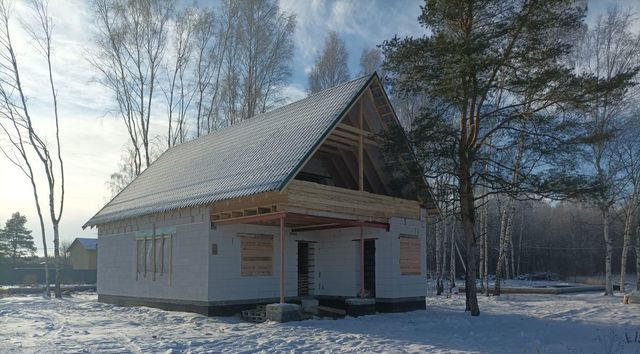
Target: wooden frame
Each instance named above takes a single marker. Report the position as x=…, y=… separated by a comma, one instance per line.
x=154, y=239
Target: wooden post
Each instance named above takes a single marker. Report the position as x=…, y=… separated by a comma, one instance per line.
x=170, y=258
x=361, y=188
x=282, y=259
x=144, y=239
x=360, y=151
x=361, y=262
x=153, y=251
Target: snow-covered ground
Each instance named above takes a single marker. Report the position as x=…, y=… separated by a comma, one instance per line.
x=584, y=323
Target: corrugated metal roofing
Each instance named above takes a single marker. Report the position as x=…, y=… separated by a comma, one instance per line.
x=88, y=243
x=257, y=155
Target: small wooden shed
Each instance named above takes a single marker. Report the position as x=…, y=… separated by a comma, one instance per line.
x=83, y=253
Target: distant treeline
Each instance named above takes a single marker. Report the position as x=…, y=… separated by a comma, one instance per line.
x=563, y=238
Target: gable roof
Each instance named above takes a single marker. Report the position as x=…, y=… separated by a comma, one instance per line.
x=90, y=244
x=258, y=155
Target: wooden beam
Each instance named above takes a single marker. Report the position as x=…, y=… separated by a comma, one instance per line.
x=361, y=263
x=282, y=258
x=341, y=140
x=339, y=146
x=357, y=131
x=249, y=219
x=342, y=225
x=257, y=200
x=330, y=150
x=360, y=151
x=353, y=137
x=315, y=197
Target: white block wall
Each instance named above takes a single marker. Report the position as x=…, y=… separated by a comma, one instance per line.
x=198, y=275
x=190, y=272
x=337, y=262
x=389, y=282
x=226, y=282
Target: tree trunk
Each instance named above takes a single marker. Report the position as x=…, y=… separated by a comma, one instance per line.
x=511, y=253
x=485, y=245
x=438, y=258
x=638, y=258
x=501, y=252
x=445, y=242
x=47, y=283
x=483, y=221
x=452, y=261
x=608, y=241
x=628, y=222
x=56, y=251
x=467, y=211
x=520, y=241
x=506, y=256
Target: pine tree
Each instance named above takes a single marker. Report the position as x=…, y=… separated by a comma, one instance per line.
x=15, y=240
x=4, y=249
x=494, y=72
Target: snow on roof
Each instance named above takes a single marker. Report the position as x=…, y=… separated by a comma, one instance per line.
x=257, y=155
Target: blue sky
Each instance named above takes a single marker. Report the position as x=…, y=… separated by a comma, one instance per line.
x=93, y=142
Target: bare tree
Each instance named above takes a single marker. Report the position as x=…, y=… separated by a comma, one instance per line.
x=266, y=48
x=21, y=130
x=626, y=152
x=242, y=61
x=126, y=172
x=224, y=43
x=371, y=61
x=609, y=49
x=131, y=42
x=330, y=68
x=179, y=93
x=205, y=65
x=438, y=234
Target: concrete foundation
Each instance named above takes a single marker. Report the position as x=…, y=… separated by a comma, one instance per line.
x=283, y=312
x=310, y=305
x=360, y=307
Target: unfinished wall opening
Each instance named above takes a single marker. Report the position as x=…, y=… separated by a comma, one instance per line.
x=306, y=271
x=370, y=268
x=256, y=252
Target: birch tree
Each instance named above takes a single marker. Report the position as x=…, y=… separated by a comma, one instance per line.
x=330, y=67
x=266, y=47
x=131, y=42
x=627, y=153
x=609, y=50
x=253, y=56
x=28, y=147
x=179, y=92
x=371, y=61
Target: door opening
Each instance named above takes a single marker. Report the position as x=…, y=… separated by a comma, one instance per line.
x=370, y=268
x=305, y=268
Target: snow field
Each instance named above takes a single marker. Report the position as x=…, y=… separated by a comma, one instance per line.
x=584, y=323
